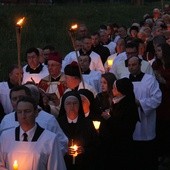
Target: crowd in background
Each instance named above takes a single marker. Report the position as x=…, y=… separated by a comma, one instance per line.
x=117, y=76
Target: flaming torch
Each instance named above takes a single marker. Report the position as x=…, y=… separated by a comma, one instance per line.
x=18, y=34
x=72, y=33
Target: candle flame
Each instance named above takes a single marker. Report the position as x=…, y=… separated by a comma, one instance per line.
x=74, y=27
x=20, y=22
x=96, y=124
x=15, y=165
x=75, y=147
x=110, y=62
x=15, y=162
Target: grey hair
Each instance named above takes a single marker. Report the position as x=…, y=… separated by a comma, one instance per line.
x=35, y=93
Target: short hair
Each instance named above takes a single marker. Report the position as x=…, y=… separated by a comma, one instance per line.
x=35, y=93
x=12, y=67
x=33, y=49
x=50, y=47
x=30, y=100
x=87, y=56
x=18, y=88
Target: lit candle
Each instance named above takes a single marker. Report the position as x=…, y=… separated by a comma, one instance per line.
x=110, y=62
x=15, y=165
x=74, y=147
x=96, y=125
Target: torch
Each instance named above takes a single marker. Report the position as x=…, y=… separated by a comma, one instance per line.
x=18, y=34
x=72, y=34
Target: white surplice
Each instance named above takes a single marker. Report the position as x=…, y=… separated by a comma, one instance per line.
x=43, y=154
x=4, y=97
x=148, y=93
x=36, y=77
x=45, y=120
x=95, y=64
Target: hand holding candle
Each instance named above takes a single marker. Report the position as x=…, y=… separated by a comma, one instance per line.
x=75, y=153
x=15, y=165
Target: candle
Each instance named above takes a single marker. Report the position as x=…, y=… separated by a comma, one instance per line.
x=15, y=165
x=74, y=147
x=110, y=62
x=96, y=125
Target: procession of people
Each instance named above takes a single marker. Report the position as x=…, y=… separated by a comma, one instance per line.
x=117, y=76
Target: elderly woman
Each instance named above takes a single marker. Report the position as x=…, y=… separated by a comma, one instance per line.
x=80, y=131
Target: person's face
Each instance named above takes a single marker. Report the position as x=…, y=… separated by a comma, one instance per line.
x=115, y=91
x=104, y=85
x=104, y=37
x=158, y=51
x=133, y=33
x=46, y=53
x=84, y=63
x=134, y=66
x=158, y=31
x=122, y=32
x=87, y=44
x=78, y=44
x=82, y=31
x=32, y=60
x=168, y=41
x=95, y=39
x=15, y=75
x=85, y=103
x=120, y=47
x=15, y=96
x=70, y=81
x=141, y=49
x=54, y=68
x=26, y=114
x=131, y=52
x=71, y=106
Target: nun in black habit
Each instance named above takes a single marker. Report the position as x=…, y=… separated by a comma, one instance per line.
x=80, y=131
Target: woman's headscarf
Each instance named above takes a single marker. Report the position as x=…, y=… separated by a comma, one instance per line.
x=125, y=87
x=89, y=95
x=62, y=111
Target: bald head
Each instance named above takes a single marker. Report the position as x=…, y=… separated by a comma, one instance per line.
x=134, y=65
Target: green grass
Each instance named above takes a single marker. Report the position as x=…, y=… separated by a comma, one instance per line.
x=48, y=24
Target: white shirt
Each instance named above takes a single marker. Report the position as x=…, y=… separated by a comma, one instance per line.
x=43, y=154
x=45, y=120
x=30, y=133
x=120, y=70
x=148, y=93
x=4, y=97
x=95, y=64
x=36, y=76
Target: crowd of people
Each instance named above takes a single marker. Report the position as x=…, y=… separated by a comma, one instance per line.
x=116, y=76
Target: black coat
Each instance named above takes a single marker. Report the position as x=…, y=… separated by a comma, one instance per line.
x=83, y=133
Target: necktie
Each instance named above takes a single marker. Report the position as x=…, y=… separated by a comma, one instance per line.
x=25, y=137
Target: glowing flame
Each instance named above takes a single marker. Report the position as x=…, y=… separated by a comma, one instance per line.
x=20, y=22
x=96, y=124
x=15, y=165
x=74, y=27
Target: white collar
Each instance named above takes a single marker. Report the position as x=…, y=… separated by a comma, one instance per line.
x=72, y=121
x=30, y=132
x=117, y=99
